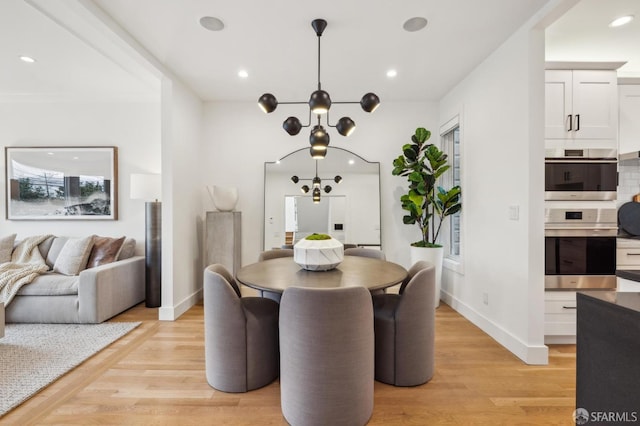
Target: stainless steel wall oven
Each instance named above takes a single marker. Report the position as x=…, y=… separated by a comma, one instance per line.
x=581, y=174
x=580, y=248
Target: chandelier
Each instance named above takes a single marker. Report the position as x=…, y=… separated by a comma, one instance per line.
x=319, y=104
x=316, y=185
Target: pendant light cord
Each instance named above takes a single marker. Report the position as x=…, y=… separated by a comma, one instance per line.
x=319, y=86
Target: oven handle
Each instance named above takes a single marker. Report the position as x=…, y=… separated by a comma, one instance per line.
x=581, y=232
x=573, y=160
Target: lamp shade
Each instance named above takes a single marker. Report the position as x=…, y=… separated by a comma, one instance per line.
x=292, y=126
x=318, y=152
x=370, y=102
x=319, y=136
x=316, y=195
x=146, y=187
x=345, y=126
x=268, y=102
x=320, y=102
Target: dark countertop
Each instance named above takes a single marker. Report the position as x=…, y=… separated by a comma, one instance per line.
x=628, y=274
x=607, y=348
x=628, y=300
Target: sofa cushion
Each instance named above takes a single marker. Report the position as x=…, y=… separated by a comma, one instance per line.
x=6, y=247
x=105, y=250
x=45, y=246
x=73, y=256
x=128, y=249
x=51, y=284
x=54, y=250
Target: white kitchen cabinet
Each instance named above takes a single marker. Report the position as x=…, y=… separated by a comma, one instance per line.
x=560, y=309
x=628, y=253
x=629, y=116
x=582, y=105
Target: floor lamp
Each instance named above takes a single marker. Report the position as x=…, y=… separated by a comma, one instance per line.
x=148, y=187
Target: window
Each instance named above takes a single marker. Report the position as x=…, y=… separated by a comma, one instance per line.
x=450, y=137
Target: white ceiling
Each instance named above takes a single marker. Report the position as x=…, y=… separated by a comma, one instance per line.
x=583, y=34
x=274, y=42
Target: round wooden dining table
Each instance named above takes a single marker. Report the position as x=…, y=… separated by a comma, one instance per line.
x=277, y=274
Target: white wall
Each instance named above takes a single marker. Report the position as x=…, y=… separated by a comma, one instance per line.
x=182, y=231
x=501, y=105
x=239, y=138
x=133, y=127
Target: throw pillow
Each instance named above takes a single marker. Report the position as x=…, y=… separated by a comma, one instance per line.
x=128, y=249
x=6, y=247
x=73, y=256
x=105, y=250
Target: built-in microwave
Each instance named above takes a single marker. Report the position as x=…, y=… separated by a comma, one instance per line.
x=581, y=174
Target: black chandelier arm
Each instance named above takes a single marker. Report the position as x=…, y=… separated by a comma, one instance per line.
x=292, y=103
x=322, y=178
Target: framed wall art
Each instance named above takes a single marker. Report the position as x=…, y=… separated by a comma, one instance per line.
x=61, y=183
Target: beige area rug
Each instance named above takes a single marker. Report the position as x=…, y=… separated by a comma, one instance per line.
x=34, y=355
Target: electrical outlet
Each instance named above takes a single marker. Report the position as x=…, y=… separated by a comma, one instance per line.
x=485, y=298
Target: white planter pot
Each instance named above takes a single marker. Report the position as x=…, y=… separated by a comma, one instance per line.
x=318, y=255
x=224, y=198
x=434, y=255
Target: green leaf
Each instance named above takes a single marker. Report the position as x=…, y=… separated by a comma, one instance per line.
x=408, y=220
x=415, y=177
x=410, y=154
x=422, y=134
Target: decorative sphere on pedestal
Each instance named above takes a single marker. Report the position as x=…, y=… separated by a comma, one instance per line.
x=318, y=252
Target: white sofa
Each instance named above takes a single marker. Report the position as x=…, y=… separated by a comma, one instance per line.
x=93, y=296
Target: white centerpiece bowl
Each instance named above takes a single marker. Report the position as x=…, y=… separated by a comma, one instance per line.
x=318, y=255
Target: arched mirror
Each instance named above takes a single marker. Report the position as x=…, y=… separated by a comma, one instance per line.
x=349, y=210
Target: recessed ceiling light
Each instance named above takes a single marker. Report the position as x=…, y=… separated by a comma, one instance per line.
x=392, y=73
x=27, y=59
x=415, y=24
x=352, y=161
x=243, y=74
x=618, y=22
x=211, y=23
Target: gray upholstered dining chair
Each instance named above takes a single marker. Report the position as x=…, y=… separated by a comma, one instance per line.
x=326, y=356
x=273, y=254
x=365, y=252
x=240, y=335
x=405, y=330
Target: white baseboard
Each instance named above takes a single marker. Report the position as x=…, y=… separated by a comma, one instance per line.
x=559, y=340
x=172, y=313
x=535, y=355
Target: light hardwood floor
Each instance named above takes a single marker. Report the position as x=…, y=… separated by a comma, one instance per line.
x=155, y=376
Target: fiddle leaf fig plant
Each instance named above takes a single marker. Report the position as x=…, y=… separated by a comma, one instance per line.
x=422, y=164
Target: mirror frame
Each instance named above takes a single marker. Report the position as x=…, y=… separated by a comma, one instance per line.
x=306, y=151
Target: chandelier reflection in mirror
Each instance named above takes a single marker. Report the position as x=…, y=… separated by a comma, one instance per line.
x=316, y=185
x=319, y=104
